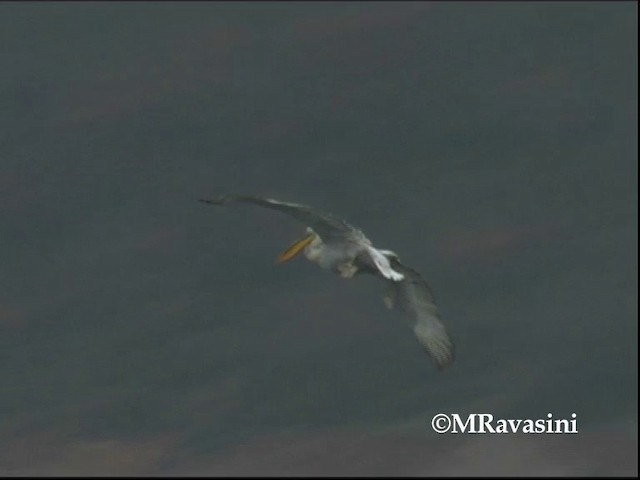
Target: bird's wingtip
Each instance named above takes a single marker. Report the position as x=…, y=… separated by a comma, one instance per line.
x=444, y=360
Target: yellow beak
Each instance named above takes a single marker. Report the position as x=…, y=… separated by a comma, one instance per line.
x=295, y=249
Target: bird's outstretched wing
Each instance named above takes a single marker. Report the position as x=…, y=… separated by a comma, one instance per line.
x=324, y=224
x=415, y=298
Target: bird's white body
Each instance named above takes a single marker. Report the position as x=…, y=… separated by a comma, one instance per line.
x=327, y=256
x=341, y=257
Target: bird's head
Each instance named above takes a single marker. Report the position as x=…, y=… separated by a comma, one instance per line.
x=297, y=247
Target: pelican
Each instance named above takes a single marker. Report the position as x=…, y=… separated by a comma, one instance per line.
x=337, y=246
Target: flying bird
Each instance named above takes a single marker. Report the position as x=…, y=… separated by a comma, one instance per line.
x=337, y=246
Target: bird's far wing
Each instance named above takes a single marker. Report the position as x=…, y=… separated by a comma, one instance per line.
x=324, y=224
x=415, y=297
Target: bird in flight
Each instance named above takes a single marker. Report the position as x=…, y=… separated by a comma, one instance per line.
x=337, y=246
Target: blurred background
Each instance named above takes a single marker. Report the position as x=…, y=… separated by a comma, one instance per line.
x=492, y=145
